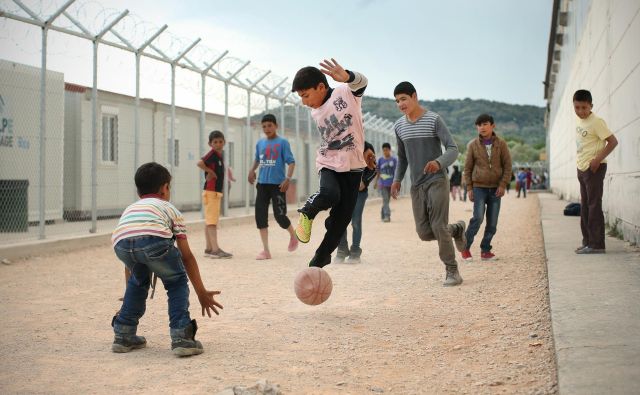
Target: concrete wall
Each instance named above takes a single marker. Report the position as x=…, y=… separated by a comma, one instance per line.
x=600, y=53
x=20, y=134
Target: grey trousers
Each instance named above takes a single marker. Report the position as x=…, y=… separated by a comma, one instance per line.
x=430, y=202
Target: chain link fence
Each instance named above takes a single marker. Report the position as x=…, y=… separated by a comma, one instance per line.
x=124, y=92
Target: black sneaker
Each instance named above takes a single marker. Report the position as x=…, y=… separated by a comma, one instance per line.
x=126, y=343
x=319, y=262
x=183, y=342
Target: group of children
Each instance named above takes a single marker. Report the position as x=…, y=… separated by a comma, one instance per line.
x=151, y=237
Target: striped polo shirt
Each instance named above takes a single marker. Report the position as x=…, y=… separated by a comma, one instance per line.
x=420, y=142
x=150, y=216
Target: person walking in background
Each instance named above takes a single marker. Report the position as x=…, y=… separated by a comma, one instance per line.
x=529, y=177
x=521, y=182
x=594, y=143
x=487, y=171
x=386, y=169
x=213, y=166
x=272, y=154
x=420, y=135
x=455, y=181
x=352, y=255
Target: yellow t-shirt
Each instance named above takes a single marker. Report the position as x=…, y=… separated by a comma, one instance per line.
x=590, y=139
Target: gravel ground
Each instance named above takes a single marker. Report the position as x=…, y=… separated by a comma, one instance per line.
x=388, y=327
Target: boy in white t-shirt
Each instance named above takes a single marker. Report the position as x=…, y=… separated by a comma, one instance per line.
x=340, y=160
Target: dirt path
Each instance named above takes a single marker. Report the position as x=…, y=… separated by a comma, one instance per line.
x=389, y=325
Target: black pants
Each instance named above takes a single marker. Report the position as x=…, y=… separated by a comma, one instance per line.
x=591, y=216
x=271, y=193
x=338, y=192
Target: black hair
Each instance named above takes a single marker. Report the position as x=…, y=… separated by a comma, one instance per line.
x=404, y=87
x=583, y=95
x=216, y=134
x=368, y=145
x=386, y=145
x=307, y=78
x=269, y=118
x=150, y=177
x=482, y=118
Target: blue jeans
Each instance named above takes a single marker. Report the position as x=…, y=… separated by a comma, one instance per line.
x=385, y=212
x=484, y=198
x=356, y=224
x=144, y=255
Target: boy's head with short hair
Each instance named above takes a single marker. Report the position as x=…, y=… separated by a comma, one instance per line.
x=153, y=178
x=216, y=140
x=269, y=125
x=485, y=125
x=406, y=97
x=311, y=85
x=582, y=103
x=386, y=150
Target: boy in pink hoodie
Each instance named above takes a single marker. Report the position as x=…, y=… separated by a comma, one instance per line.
x=340, y=160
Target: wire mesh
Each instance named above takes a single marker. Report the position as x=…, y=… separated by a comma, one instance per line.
x=157, y=96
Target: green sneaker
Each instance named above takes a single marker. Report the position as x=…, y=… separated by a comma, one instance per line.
x=303, y=230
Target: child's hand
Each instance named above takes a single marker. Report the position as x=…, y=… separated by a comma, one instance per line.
x=370, y=158
x=211, y=176
x=334, y=70
x=432, y=167
x=208, y=303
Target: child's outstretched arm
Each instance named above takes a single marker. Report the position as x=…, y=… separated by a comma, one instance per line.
x=205, y=297
x=357, y=82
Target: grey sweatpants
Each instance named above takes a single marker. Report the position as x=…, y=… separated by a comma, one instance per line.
x=430, y=202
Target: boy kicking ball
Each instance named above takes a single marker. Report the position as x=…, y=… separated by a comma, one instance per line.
x=340, y=158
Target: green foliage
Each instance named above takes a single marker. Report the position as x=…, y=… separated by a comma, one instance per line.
x=522, y=126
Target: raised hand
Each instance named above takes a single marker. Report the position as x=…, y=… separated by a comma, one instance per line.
x=334, y=70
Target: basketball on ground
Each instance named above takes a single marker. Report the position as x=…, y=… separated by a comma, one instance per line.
x=313, y=286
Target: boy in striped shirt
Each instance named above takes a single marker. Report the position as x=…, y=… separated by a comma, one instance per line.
x=420, y=134
x=144, y=241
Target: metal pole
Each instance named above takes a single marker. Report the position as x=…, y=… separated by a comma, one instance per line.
x=173, y=118
x=225, y=206
x=43, y=132
x=297, y=171
x=247, y=151
x=202, y=132
x=136, y=148
x=94, y=142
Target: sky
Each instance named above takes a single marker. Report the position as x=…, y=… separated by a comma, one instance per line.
x=480, y=49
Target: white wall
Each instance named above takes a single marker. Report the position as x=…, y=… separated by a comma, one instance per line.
x=600, y=53
x=20, y=149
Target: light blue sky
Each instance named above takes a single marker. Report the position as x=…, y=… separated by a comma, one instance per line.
x=491, y=49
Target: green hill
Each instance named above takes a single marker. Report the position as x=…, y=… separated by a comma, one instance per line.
x=521, y=125
x=518, y=123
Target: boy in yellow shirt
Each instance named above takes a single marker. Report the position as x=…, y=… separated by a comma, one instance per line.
x=595, y=142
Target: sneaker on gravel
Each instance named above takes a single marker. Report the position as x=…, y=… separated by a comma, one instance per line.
x=125, y=343
x=488, y=256
x=263, y=255
x=459, y=237
x=466, y=255
x=293, y=244
x=303, y=230
x=220, y=254
x=453, y=277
